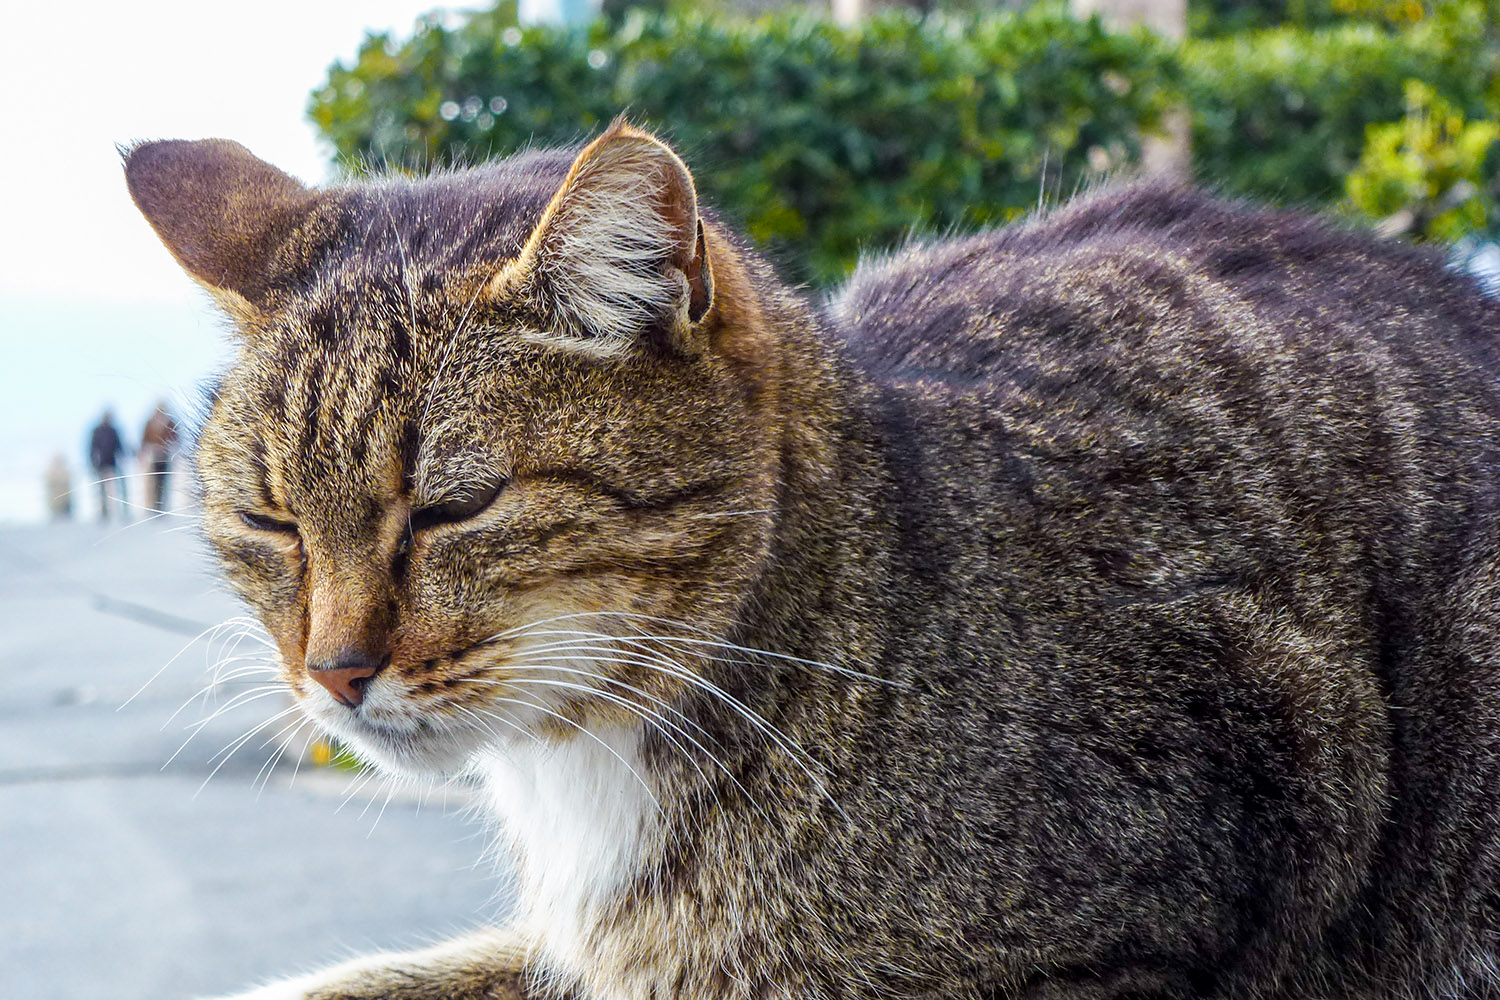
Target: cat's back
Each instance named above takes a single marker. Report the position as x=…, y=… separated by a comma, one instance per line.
x=1154, y=389
x=1155, y=447
x=1155, y=268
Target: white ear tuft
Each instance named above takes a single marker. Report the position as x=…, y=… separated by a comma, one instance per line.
x=618, y=252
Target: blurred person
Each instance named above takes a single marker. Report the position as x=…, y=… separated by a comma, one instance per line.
x=105, y=452
x=58, y=484
x=158, y=442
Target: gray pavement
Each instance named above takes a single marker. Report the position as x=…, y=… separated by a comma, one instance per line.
x=125, y=876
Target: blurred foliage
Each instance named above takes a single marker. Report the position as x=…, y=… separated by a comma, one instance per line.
x=1309, y=109
x=1283, y=114
x=821, y=141
x=331, y=753
x=1213, y=18
x=818, y=140
x=1432, y=175
x=1216, y=18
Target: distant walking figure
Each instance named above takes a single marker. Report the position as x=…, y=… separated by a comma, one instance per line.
x=157, y=444
x=58, y=485
x=105, y=451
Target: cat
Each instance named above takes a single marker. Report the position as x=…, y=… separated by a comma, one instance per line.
x=1104, y=606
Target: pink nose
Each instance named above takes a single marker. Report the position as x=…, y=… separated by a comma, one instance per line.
x=347, y=675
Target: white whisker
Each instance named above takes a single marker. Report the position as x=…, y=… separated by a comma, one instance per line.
x=656, y=661
x=302, y=753
x=269, y=767
x=234, y=747
x=655, y=719
x=211, y=631
x=243, y=698
x=354, y=788
x=630, y=617
x=589, y=733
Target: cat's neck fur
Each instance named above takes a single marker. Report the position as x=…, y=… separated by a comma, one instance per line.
x=595, y=815
x=582, y=814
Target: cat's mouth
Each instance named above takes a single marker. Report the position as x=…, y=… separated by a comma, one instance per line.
x=426, y=728
x=434, y=717
x=399, y=742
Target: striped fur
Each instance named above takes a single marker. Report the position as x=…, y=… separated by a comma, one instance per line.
x=1101, y=607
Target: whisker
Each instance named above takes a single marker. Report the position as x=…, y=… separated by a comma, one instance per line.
x=254, y=730
x=553, y=666
x=386, y=780
x=746, y=650
x=652, y=660
x=354, y=789
x=381, y=815
x=302, y=754
x=260, y=666
x=625, y=659
x=153, y=515
x=269, y=767
x=201, y=695
x=658, y=721
x=582, y=729
x=235, y=746
x=210, y=631
x=798, y=755
x=196, y=729
x=642, y=712
x=484, y=728
x=243, y=698
x=631, y=616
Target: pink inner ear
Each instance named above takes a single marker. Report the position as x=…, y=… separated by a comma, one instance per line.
x=700, y=280
x=678, y=205
x=221, y=211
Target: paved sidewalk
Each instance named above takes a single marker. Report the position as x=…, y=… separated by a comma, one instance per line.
x=127, y=879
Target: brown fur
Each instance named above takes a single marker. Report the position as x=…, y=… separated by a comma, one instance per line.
x=1103, y=607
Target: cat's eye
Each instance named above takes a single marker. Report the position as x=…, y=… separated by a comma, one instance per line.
x=460, y=508
x=261, y=522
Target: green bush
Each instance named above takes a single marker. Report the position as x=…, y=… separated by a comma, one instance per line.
x=820, y=141
x=1283, y=114
x=1217, y=18
x=1432, y=175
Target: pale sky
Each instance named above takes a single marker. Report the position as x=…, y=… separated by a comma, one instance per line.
x=92, y=309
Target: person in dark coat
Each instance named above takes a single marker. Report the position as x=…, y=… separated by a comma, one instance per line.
x=105, y=452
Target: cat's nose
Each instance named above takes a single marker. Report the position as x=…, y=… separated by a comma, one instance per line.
x=347, y=675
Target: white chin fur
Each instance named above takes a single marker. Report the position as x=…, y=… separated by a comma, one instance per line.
x=580, y=822
x=581, y=814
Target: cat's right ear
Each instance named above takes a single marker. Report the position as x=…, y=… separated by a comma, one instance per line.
x=619, y=253
x=222, y=212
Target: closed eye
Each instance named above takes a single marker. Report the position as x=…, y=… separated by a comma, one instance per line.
x=263, y=522
x=460, y=508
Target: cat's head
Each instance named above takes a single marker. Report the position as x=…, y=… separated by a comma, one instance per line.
x=476, y=420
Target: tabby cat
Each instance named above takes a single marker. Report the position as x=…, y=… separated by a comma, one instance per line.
x=1106, y=606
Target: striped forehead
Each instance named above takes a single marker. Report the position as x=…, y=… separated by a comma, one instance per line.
x=338, y=389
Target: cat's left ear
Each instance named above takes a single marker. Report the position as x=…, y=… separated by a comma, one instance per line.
x=221, y=211
x=618, y=256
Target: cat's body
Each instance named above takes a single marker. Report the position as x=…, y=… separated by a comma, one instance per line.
x=1104, y=607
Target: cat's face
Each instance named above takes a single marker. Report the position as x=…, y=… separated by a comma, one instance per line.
x=442, y=477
